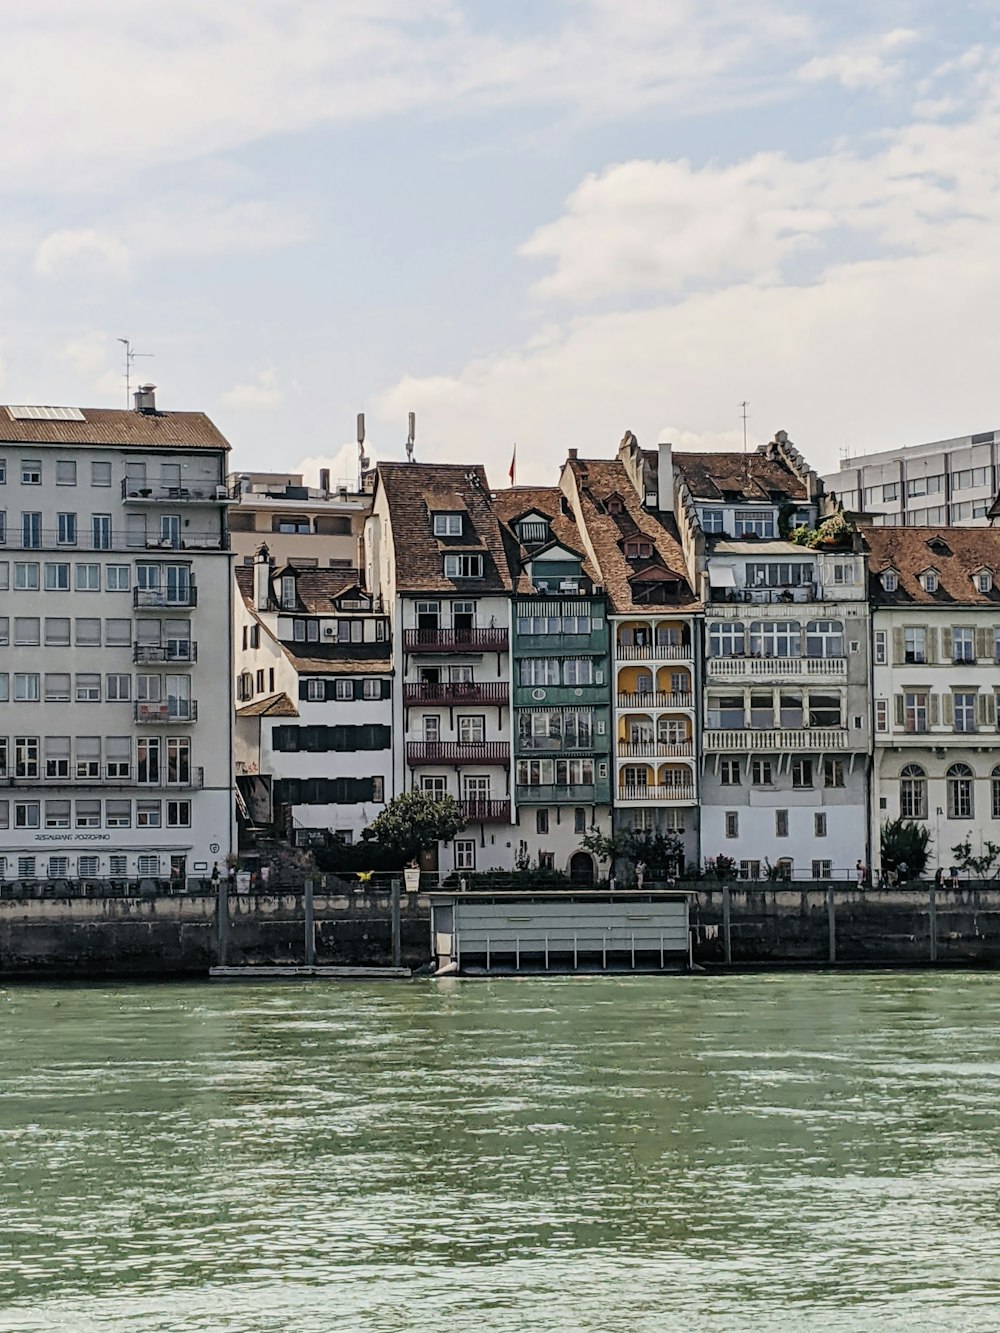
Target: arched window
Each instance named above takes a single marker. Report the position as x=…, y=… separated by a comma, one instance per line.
x=775, y=638
x=959, y=791
x=995, y=789
x=825, y=638
x=913, y=792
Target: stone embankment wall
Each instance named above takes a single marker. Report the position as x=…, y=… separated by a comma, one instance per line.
x=174, y=934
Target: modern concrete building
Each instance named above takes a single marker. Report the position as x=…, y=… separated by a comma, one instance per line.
x=936, y=638
x=309, y=526
x=948, y=482
x=115, y=724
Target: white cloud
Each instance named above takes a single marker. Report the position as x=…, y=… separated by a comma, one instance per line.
x=72, y=250
x=343, y=465
x=260, y=395
x=862, y=64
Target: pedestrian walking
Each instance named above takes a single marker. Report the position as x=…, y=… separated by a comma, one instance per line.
x=215, y=877
x=954, y=877
x=903, y=872
x=939, y=877
x=640, y=872
x=862, y=873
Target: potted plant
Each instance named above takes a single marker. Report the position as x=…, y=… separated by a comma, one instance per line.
x=411, y=877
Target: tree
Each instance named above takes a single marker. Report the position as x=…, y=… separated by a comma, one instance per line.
x=657, y=851
x=984, y=866
x=413, y=822
x=905, y=840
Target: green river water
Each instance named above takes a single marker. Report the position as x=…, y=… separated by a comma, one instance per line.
x=772, y=1152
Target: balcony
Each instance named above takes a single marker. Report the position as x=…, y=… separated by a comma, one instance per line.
x=781, y=739
x=777, y=668
x=485, y=812
x=169, y=712
x=799, y=592
x=657, y=699
x=52, y=541
x=457, y=752
x=182, y=653
x=655, y=749
x=155, y=490
x=165, y=599
x=674, y=794
x=654, y=652
x=108, y=777
x=456, y=692
x=455, y=640
x=581, y=793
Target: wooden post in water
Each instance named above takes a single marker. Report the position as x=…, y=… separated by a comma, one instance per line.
x=397, y=939
x=831, y=925
x=222, y=922
x=310, y=917
x=727, y=934
x=932, y=922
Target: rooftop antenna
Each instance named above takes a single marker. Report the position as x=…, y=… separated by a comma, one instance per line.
x=363, y=459
x=411, y=435
x=743, y=413
x=130, y=356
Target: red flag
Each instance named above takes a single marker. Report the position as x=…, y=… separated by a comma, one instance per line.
x=513, y=465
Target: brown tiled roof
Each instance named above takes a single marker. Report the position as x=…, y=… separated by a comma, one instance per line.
x=597, y=479
x=275, y=705
x=957, y=554
x=511, y=504
x=354, y=659
x=755, y=476
x=118, y=428
x=317, y=589
x=413, y=492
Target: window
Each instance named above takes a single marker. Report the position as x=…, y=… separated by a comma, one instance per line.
x=56, y=578
x=781, y=823
x=578, y=671
x=65, y=472
x=315, y=689
x=3, y=471
x=546, y=860
x=579, y=820
x=117, y=863
x=915, y=711
x=824, y=710
x=775, y=638
x=4, y=687
x=802, y=773
x=912, y=792
x=819, y=824
x=964, y=704
x=995, y=792
x=25, y=576
x=88, y=687
x=57, y=756
x=890, y=580
x=880, y=647
x=712, y=520
x=541, y=821
x=27, y=630
x=26, y=867
x=569, y=773
x=434, y=786
x=732, y=824
x=729, y=773
x=100, y=474
x=761, y=773
x=929, y=580
x=57, y=814
x=101, y=529
x=822, y=869
x=726, y=639
x=148, y=866
x=371, y=689
x=89, y=866
x=26, y=685
x=825, y=638
x=833, y=772
x=118, y=756
x=288, y=596
x=963, y=647
x=4, y=630
x=88, y=578
x=778, y=574
x=541, y=670
x=343, y=689
x=254, y=636
x=57, y=686
x=178, y=761
x=57, y=631
x=31, y=530
x=260, y=682
x=26, y=756
x=959, y=781
x=984, y=581
x=914, y=644
x=463, y=566
x=465, y=854
x=447, y=525
x=31, y=472
x=88, y=632
x=119, y=687
x=147, y=814
x=754, y=523
x=178, y=814
x=118, y=633
x=148, y=760
x=27, y=814
x=843, y=573
x=88, y=814
x=117, y=578
x=725, y=710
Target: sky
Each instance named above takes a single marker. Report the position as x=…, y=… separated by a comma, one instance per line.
x=542, y=224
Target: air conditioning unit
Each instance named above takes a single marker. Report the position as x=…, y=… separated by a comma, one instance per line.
x=221, y=493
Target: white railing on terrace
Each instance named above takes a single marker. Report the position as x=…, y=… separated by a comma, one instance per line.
x=655, y=749
x=654, y=699
x=777, y=666
x=657, y=794
x=661, y=652
x=786, y=739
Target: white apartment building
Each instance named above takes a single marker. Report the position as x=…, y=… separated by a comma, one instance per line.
x=785, y=730
x=436, y=557
x=313, y=527
x=313, y=670
x=948, y=482
x=936, y=650
x=115, y=725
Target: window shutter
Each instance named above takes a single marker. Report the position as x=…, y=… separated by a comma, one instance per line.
x=983, y=644
x=897, y=646
x=990, y=710
x=900, y=713
x=946, y=651
x=982, y=710
x=935, y=709
x=932, y=651
x=947, y=709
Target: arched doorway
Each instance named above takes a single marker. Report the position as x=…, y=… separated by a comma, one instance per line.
x=581, y=869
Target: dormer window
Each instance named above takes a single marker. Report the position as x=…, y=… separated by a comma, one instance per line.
x=929, y=580
x=638, y=550
x=447, y=525
x=984, y=581
x=533, y=531
x=614, y=505
x=288, y=595
x=890, y=580
x=463, y=566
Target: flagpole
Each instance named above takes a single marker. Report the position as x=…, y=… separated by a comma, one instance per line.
x=513, y=466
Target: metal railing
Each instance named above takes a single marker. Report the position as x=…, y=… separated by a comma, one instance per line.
x=457, y=752
x=49, y=541
x=168, y=712
x=155, y=488
x=455, y=640
x=107, y=776
x=180, y=654
x=485, y=812
x=162, y=599
x=456, y=692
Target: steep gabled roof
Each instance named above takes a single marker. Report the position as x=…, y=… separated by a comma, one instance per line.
x=513, y=504
x=275, y=705
x=955, y=554
x=732, y=475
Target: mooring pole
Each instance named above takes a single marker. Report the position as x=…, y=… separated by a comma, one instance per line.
x=397, y=945
x=310, y=918
x=223, y=920
x=932, y=922
x=727, y=934
x=831, y=926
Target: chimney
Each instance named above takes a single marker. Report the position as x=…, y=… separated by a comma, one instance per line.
x=261, y=578
x=145, y=399
x=571, y=454
x=665, y=477
x=324, y=480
